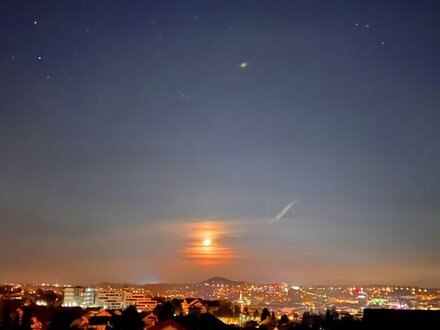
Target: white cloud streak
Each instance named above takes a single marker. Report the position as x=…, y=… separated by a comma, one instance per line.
x=280, y=215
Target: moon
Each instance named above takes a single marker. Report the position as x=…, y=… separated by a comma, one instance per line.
x=206, y=244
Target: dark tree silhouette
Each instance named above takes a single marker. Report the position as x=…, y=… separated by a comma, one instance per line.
x=131, y=319
x=328, y=319
x=283, y=320
x=225, y=309
x=6, y=322
x=265, y=314
x=50, y=297
x=63, y=320
x=256, y=313
x=26, y=319
x=166, y=312
x=17, y=321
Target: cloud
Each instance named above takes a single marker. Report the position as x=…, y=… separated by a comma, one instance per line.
x=280, y=215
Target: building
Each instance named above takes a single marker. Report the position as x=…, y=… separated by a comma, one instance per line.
x=167, y=325
x=362, y=299
x=120, y=299
x=150, y=320
x=138, y=299
x=193, y=306
x=110, y=299
x=241, y=302
x=79, y=296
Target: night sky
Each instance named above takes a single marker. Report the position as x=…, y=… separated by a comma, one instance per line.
x=147, y=141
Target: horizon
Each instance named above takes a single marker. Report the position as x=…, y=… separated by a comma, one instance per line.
x=124, y=283
x=276, y=141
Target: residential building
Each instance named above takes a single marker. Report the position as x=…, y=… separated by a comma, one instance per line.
x=110, y=299
x=138, y=299
x=79, y=296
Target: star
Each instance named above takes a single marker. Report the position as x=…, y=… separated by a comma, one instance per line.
x=35, y=22
x=243, y=65
x=39, y=58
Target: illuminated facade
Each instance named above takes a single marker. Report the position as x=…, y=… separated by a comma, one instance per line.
x=110, y=299
x=79, y=296
x=140, y=300
x=120, y=299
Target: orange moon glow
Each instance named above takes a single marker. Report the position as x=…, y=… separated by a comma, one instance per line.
x=206, y=243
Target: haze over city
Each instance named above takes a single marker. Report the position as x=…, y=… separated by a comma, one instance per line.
x=264, y=141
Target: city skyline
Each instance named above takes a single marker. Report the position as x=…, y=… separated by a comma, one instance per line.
x=171, y=141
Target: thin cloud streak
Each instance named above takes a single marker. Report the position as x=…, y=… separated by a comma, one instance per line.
x=280, y=215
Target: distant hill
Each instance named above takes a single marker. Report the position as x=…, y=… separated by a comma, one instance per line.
x=222, y=281
x=160, y=288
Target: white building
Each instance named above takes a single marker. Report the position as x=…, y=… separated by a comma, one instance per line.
x=120, y=299
x=110, y=299
x=79, y=296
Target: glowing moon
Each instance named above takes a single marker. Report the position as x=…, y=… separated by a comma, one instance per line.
x=207, y=245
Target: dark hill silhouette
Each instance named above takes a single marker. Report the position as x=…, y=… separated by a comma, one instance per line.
x=155, y=288
x=221, y=280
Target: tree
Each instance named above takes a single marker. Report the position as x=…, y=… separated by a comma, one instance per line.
x=26, y=319
x=328, y=319
x=166, y=312
x=283, y=320
x=50, y=297
x=225, y=308
x=256, y=314
x=265, y=314
x=131, y=319
x=17, y=320
x=63, y=319
x=6, y=318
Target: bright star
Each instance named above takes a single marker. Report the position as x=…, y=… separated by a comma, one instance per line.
x=243, y=65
